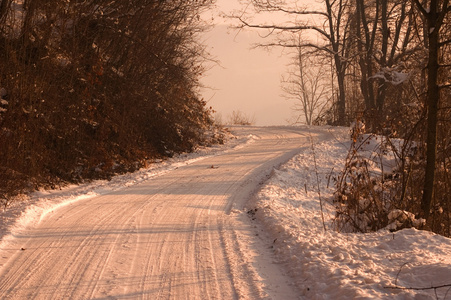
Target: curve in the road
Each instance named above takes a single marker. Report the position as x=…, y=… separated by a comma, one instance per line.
x=171, y=237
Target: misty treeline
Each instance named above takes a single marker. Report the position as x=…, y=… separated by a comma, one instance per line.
x=93, y=88
x=385, y=65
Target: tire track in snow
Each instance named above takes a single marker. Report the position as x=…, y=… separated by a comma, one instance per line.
x=170, y=237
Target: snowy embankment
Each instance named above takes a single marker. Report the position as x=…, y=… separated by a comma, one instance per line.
x=33, y=208
x=326, y=264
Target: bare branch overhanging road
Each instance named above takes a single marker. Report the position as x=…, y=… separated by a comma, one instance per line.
x=171, y=237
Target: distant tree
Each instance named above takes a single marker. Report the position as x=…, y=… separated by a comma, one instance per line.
x=307, y=85
x=329, y=22
x=239, y=118
x=218, y=119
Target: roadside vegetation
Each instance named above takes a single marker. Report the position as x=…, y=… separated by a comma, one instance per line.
x=94, y=88
x=237, y=117
x=383, y=64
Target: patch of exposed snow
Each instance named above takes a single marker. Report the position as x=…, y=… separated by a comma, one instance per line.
x=392, y=76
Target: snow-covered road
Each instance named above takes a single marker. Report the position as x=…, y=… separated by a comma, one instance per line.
x=174, y=236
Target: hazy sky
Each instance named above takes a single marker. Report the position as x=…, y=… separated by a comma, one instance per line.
x=248, y=80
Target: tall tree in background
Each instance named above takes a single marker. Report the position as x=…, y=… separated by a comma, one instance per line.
x=434, y=13
x=307, y=85
x=384, y=41
x=330, y=22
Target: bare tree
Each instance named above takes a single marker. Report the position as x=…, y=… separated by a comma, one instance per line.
x=384, y=42
x=237, y=117
x=434, y=13
x=329, y=22
x=306, y=85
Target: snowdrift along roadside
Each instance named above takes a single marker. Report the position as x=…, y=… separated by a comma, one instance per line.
x=34, y=207
x=326, y=264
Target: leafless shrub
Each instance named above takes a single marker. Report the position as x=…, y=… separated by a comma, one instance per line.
x=239, y=118
x=369, y=197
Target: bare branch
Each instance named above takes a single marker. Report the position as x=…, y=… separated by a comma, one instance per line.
x=417, y=288
x=268, y=6
x=445, y=10
x=294, y=28
x=302, y=45
x=420, y=7
x=441, y=44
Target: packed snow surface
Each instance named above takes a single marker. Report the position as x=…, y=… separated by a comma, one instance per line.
x=249, y=220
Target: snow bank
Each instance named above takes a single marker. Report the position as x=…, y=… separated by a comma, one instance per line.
x=33, y=208
x=331, y=265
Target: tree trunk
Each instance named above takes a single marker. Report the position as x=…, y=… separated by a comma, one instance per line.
x=4, y=6
x=340, y=65
x=433, y=96
x=382, y=86
x=341, y=99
